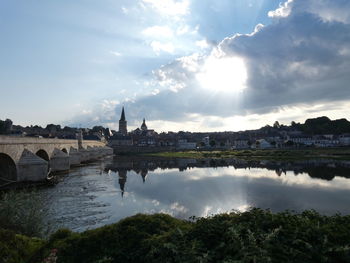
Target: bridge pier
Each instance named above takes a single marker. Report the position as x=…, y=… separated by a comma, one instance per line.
x=74, y=157
x=29, y=159
x=107, y=150
x=31, y=167
x=59, y=161
x=84, y=155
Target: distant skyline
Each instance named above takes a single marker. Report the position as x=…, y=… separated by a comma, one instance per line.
x=181, y=64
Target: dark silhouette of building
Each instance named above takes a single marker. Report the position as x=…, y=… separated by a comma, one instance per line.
x=144, y=173
x=123, y=124
x=122, y=180
x=144, y=126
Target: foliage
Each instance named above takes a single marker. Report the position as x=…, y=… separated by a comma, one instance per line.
x=2, y=127
x=253, y=236
x=323, y=125
x=17, y=248
x=21, y=211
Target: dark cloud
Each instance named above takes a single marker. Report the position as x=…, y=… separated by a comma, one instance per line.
x=295, y=60
x=300, y=58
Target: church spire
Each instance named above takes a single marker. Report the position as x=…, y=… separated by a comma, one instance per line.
x=122, y=116
x=123, y=124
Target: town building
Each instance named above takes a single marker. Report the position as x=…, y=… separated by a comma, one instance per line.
x=123, y=124
x=121, y=138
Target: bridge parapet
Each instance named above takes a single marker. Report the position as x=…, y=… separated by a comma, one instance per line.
x=58, y=153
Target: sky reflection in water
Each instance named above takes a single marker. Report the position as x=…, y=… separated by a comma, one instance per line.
x=205, y=191
x=91, y=196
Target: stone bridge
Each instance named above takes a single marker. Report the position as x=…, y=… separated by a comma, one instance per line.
x=32, y=159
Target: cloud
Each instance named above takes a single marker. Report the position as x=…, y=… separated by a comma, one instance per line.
x=301, y=58
x=283, y=11
x=162, y=47
x=158, y=32
x=104, y=113
x=169, y=7
x=202, y=44
x=125, y=10
x=327, y=10
x=115, y=53
x=181, y=30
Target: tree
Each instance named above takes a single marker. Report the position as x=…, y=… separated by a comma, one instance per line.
x=276, y=125
x=2, y=127
x=212, y=143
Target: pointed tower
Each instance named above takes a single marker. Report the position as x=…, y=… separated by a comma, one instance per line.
x=144, y=126
x=144, y=173
x=122, y=180
x=122, y=123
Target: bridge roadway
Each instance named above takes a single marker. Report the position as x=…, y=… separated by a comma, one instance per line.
x=31, y=159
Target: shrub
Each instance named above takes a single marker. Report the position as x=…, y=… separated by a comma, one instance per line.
x=253, y=236
x=22, y=212
x=17, y=248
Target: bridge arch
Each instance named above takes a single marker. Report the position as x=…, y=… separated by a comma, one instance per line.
x=8, y=170
x=43, y=155
x=64, y=150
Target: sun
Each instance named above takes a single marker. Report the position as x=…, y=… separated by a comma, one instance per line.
x=223, y=74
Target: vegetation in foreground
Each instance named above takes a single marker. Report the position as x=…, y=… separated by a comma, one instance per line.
x=21, y=212
x=253, y=236
x=268, y=154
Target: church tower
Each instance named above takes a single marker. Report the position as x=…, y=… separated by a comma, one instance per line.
x=122, y=123
x=144, y=126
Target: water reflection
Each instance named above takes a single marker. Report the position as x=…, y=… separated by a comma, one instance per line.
x=105, y=192
x=322, y=168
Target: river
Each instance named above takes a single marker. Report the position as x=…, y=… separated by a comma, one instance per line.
x=106, y=191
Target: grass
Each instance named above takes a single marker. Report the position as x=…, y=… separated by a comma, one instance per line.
x=268, y=154
x=253, y=236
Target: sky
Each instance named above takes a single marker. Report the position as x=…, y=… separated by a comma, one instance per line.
x=190, y=65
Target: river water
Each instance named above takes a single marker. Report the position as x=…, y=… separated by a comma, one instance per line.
x=106, y=191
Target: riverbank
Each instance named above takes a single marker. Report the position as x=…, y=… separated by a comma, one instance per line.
x=253, y=236
x=268, y=154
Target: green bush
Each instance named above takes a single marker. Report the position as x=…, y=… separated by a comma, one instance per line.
x=22, y=212
x=16, y=248
x=253, y=236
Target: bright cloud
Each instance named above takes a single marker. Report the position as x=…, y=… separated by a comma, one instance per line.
x=158, y=31
x=278, y=66
x=283, y=11
x=295, y=68
x=226, y=74
x=169, y=7
x=162, y=47
x=202, y=44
